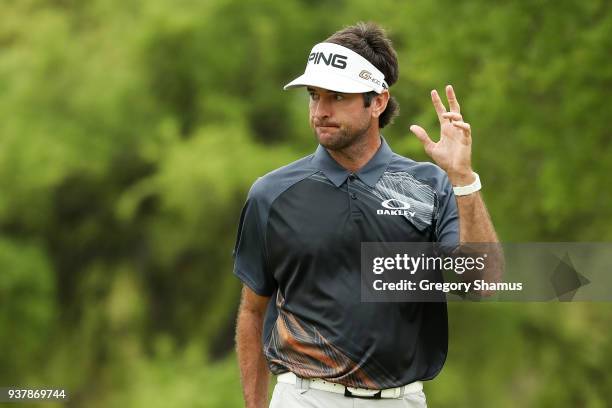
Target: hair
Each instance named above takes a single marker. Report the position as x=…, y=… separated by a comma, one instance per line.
x=370, y=41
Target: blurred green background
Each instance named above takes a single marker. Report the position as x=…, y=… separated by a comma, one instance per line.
x=130, y=132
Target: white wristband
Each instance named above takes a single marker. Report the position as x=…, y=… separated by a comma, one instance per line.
x=469, y=189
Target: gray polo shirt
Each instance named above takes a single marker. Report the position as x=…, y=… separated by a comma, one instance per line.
x=299, y=241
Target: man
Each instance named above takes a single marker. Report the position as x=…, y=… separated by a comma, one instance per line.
x=298, y=246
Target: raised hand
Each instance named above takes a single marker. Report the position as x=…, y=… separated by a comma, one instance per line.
x=453, y=152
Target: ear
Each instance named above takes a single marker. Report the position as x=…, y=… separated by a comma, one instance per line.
x=379, y=103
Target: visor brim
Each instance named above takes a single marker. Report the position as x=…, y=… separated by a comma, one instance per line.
x=336, y=83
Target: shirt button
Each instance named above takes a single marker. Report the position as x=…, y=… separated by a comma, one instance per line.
x=353, y=196
x=352, y=177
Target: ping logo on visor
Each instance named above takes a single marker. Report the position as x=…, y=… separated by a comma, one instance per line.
x=336, y=60
x=337, y=68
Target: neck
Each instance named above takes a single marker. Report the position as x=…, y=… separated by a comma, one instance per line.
x=355, y=156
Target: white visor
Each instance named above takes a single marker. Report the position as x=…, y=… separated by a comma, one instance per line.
x=337, y=68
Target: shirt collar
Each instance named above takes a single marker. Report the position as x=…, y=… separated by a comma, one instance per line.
x=369, y=174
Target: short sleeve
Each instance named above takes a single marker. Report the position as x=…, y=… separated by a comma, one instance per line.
x=250, y=261
x=447, y=222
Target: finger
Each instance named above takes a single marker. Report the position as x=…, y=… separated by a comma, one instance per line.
x=421, y=134
x=453, y=103
x=464, y=126
x=438, y=105
x=452, y=116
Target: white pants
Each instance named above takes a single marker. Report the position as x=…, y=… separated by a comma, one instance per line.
x=288, y=396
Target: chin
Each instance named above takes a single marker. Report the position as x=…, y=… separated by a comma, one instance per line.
x=327, y=139
x=334, y=141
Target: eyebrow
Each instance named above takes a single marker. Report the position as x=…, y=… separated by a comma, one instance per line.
x=309, y=89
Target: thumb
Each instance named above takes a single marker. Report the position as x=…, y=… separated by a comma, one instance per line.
x=421, y=134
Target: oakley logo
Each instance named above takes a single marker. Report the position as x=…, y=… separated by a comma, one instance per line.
x=394, y=204
x=396, y=207
x=336, y=60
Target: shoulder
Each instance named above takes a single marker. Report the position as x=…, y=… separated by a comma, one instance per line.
x=426, y=173
x=269, y=186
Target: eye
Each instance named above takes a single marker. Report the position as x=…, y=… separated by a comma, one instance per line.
x=313, y=96
x=338, y=97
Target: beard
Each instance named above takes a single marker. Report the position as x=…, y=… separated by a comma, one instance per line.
x=342, y=137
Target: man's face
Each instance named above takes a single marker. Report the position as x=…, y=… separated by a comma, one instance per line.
x=338, y=119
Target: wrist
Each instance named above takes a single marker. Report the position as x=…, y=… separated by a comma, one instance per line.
x=462, y=178
x=467, y=189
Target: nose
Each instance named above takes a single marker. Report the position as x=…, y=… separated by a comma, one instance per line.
x=321, y=108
